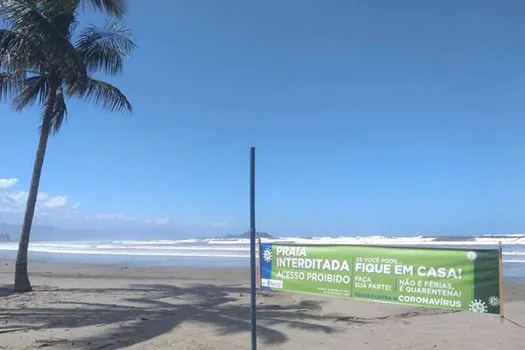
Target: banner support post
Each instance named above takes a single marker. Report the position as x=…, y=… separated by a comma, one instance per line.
x=500, y=269
x=259, y=269
x=252, y=250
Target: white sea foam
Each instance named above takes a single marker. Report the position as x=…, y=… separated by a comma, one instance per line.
x=375, y=240
x=141, y=247
x=158, y=242
x=513, y=246
x=124, y=252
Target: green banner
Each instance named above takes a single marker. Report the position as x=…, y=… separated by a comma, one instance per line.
x=438, y=278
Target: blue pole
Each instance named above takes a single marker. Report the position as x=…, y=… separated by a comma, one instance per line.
x=252, y=248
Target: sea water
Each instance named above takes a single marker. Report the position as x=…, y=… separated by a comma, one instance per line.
x=236, y=252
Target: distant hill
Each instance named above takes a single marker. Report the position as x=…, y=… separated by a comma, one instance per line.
x=5, y=237
x=53, y=233
x=247, y=235
x=38, y=232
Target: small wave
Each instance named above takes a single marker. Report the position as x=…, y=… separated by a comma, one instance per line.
x=158, y=242
x=130, y=252
x=217, y=251
x=137, y=247
x=371, y=240
x=63, y=245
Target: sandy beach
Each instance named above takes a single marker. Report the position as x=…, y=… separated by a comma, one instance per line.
x=109, y=307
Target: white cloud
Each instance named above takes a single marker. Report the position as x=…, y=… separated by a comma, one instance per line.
x=17, y=197
x=55, y=202
x=113, y=217
x=123, y=217
x=56, y=207
x=160, y=222
x=15, y=201
x=163, y=221
x=6, y=183
x=219, y=224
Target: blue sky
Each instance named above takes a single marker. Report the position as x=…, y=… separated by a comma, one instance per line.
x=369, y=117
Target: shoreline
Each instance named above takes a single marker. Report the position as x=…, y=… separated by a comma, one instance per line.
x=514, y=287
x=118, y=266
x=91, y=306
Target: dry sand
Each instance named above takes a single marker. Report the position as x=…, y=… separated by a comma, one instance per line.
x=102, y=307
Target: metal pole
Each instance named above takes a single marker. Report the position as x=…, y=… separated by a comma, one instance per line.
x=500, y=272
x=252, y=248
x=259, y=267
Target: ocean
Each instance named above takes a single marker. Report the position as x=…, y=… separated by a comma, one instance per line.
x=235, y=252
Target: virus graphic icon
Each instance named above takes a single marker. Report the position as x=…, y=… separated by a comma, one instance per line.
x=472, y=256
x=478, y=306
x=493, y=301
x=267, y=255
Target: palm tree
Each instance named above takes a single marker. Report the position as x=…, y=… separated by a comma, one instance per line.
x=43, y=60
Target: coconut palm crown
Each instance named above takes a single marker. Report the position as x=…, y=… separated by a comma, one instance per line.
x=45, y=60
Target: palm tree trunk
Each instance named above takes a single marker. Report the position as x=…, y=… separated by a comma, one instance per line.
x=22, y=283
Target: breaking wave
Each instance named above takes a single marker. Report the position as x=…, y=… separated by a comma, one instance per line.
x=513, y=245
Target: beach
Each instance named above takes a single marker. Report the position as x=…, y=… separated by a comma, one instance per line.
x=97, y=306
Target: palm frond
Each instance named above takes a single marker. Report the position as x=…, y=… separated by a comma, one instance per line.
x=32, y=88
x=60, y=13
x=10, y=84
x=56, y=7
x=27, y=21
x=62, y=20
x=115, y=8
x=59, y=112
x=17, y=54
x=9, y=40
x=13, y=53
x=105, y=48
x=102, y=94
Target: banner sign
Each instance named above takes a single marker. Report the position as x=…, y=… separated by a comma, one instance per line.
x=429, y=277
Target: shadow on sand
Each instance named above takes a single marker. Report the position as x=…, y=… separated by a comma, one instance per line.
x=160, y=308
